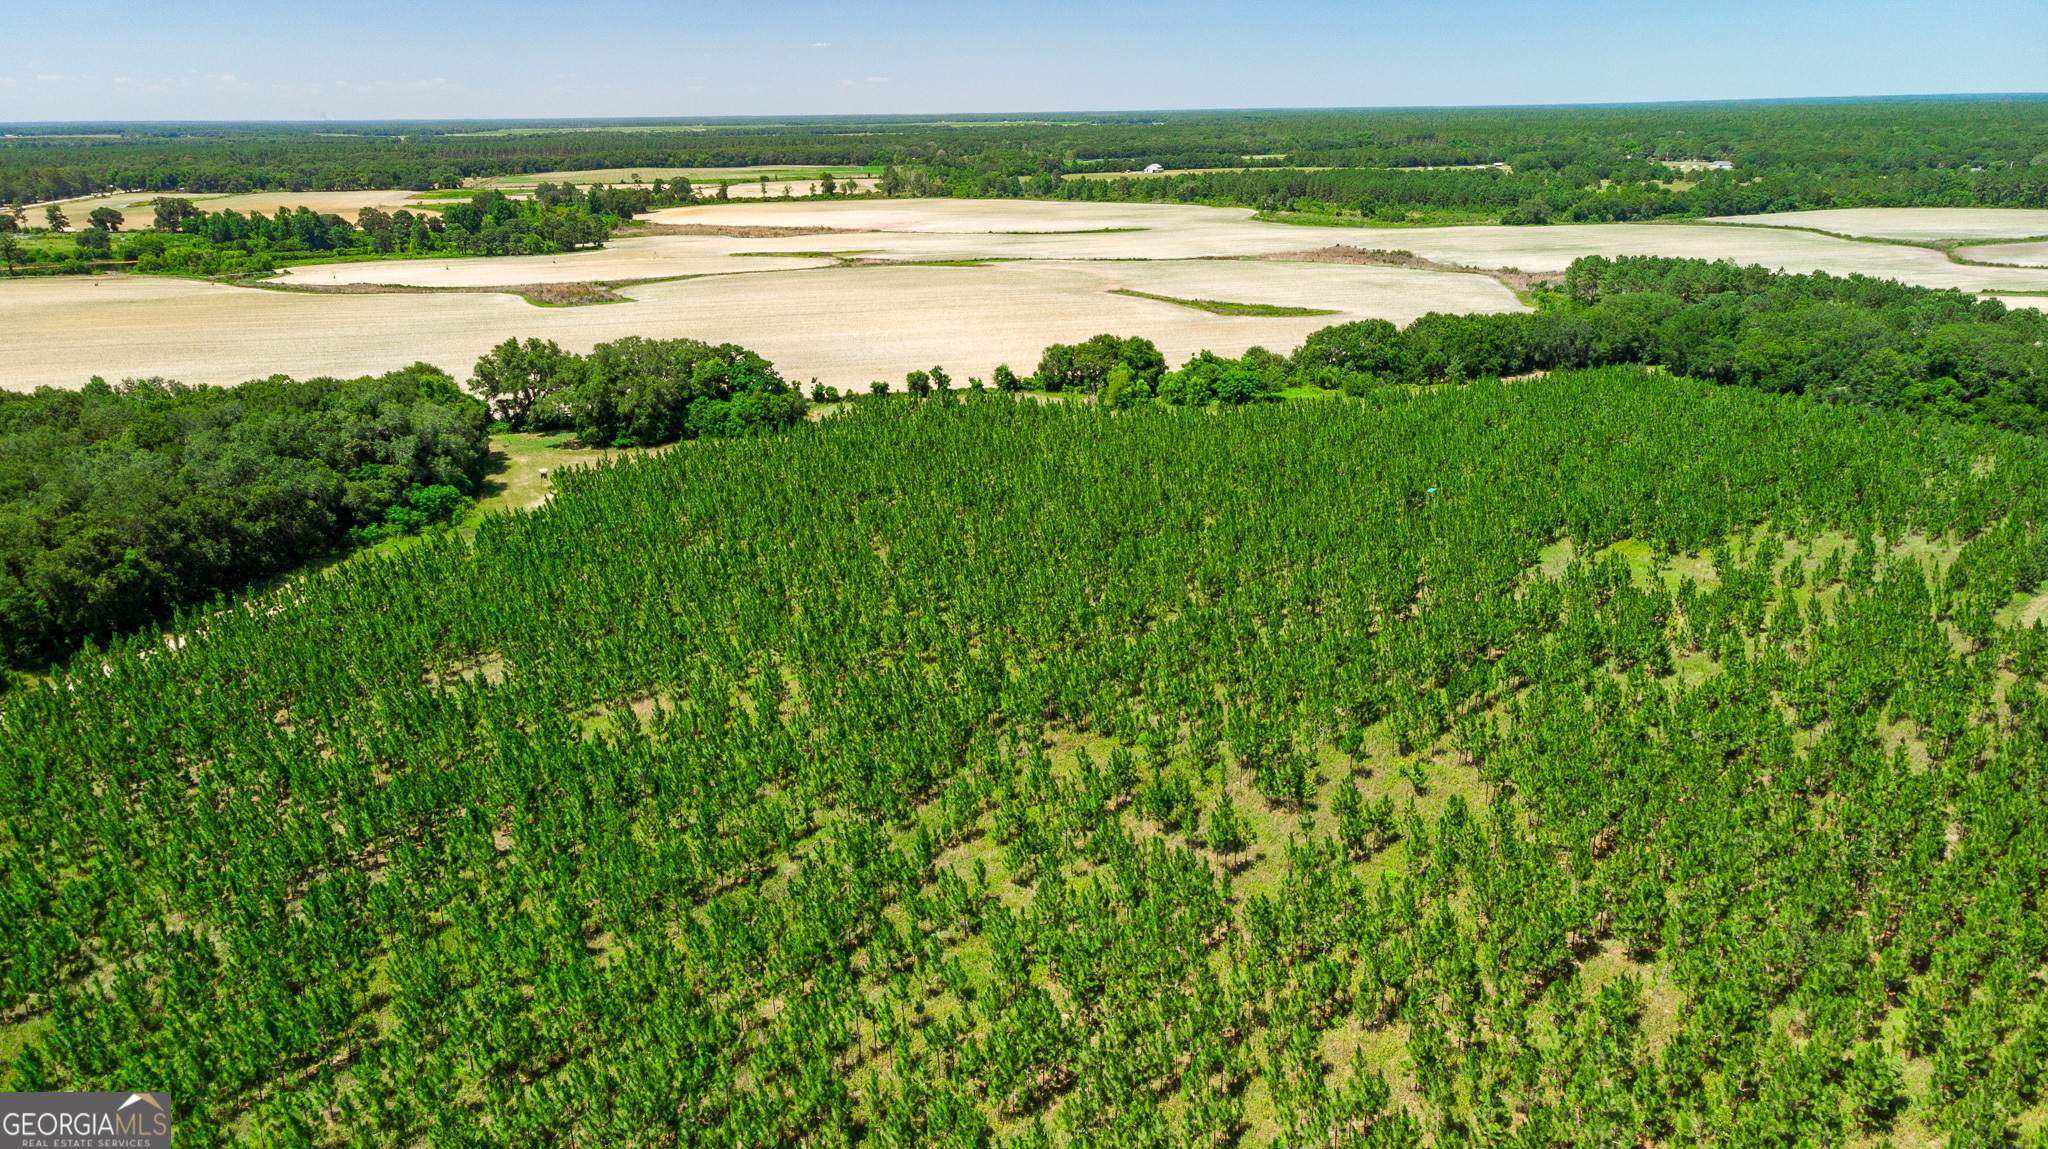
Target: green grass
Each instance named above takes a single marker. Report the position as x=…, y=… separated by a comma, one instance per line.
x=1221, y=307
x=983, y=262
x=1076, y=231
x=800, y=254
x=513, y=481
x=45, y=244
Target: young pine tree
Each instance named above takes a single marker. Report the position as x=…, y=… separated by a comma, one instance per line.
x=1353, y=826
x=1874, y=1087
x=1230, y=833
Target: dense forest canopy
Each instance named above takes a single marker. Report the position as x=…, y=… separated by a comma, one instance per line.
x=1853, y=145
x=122, y=502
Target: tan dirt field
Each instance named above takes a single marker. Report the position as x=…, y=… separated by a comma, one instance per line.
x=778, y=173
x=135, y=205
x=654, y=257
x=1179, y=232
x=1533, y=248
x=797, y=187
x=745, y=182
x=2030, y=254
x=848, y=325
x=1010, y=229
x=1911, y=222
x=844, y=326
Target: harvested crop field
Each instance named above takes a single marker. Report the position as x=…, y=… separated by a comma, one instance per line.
x=650, y=258
x=1533, y=248
x=136, y=205
x=844, y=326
x=785, y=279
x=744, y=183
x=1010, y=229
x=2030, y=254
x=777, y=174
x=1910, y=222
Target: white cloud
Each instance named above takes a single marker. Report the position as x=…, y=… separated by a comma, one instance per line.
x=48, y=79
x=878, y=79
x=822, y=44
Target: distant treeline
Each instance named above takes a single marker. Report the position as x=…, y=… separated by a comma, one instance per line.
x=186, y=239
x=1839, y=143
x=1636, y=191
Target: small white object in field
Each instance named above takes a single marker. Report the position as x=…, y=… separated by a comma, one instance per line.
x=543, y=470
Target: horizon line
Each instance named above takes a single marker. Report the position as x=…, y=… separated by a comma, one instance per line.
x=1016, y=116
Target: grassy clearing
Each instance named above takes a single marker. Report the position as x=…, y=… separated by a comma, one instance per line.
x=43, y=244
x=983, y=262
x=801, y=254
x=1221, y=307
x=520, y=463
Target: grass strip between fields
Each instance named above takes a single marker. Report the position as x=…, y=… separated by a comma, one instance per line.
x=1223, y=307
x=800, y=254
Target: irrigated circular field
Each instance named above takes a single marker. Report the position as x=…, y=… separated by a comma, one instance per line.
x=875, y=288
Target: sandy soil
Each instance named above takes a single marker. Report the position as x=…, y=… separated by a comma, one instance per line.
x=650, y=258
x=2031, y=254
x=1531, y=248
x=135, y=205
x=1179, y=232
x=775, y=172
x=848, y=325
x=745, y=182
x=845, y=326
x=1912, y=222
x=798, y=185
x=902, y=230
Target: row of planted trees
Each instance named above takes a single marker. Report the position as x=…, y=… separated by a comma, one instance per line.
x=999, y=772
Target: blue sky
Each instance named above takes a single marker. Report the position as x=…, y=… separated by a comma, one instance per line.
x=376, y=59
